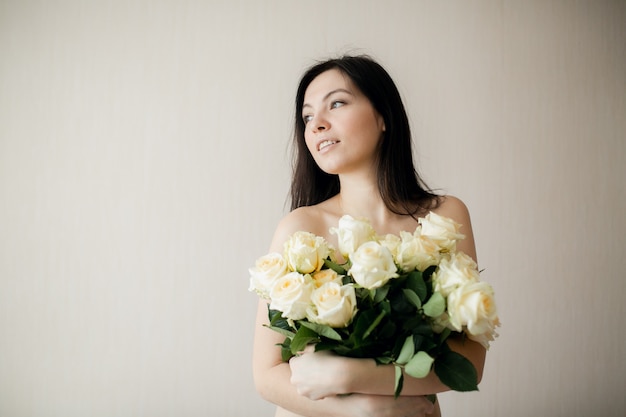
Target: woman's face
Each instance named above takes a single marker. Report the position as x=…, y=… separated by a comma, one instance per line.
x=342, y=128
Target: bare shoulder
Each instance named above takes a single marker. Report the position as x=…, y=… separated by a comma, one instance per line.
x=302, y=218
x=308, y=219
x=453, y=208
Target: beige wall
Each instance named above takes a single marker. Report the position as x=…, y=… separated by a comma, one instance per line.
x=143, y=166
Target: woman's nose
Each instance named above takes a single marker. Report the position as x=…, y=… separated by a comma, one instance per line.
x=320, y=123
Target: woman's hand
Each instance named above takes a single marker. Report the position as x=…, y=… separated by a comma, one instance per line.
x=317, y=375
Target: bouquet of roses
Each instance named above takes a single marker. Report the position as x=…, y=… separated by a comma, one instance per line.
x=395, y=299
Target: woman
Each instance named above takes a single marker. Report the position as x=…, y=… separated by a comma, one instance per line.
x=352, y=156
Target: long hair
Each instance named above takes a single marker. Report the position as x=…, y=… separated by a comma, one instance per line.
x=401, y=188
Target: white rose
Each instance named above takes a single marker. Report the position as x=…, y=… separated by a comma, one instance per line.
x=372, y=265
x=453, y=272
x=266, y=271
x=416, y=251
x=352, y=233
x=486, y=337
x=391, y=242
x=326, y=275
x=335, y=305
x=472, y=308
x=442, y=230
x=291, y=294
x=306, y=252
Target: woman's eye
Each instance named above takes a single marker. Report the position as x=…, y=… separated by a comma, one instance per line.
x=336, y=103
x=307, y=118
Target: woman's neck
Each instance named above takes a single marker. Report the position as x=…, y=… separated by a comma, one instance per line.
x=363, y=199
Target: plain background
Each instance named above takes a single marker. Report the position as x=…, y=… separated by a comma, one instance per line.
x=144, y=164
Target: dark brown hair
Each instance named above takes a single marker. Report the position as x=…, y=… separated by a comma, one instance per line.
x=400, y=185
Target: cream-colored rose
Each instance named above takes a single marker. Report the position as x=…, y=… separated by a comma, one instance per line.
x=291, y=294
x=416, y=251
x=486, y=337
x=372, y=265
x=352, y=233
x=305, y=252
x=266, y=271
x=326, y=275
x=334, y=305
x=472, y=308
x=391, y=242
x=442, y=230
x=454, y=271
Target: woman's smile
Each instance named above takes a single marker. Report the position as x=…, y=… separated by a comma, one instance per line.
x=325, y=144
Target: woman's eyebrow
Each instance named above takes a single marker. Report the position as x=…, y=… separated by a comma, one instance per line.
x=330, y=93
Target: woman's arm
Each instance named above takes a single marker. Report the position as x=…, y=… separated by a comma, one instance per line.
x=347, y=375
x=272, y=376
x=319, y=375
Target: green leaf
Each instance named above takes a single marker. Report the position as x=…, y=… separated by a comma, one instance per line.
x=407, y=351
x=412, y=297
x=399, y=382
x=285, y=354
x=335, y=267
x=285, y=350
x=383, y=360
x=303, y=337
x=282, y=331
x=327, y=344
x=277, y=320
x=456, y=371
x=415, y=282
x=340, y=350
x=419, y=366
x=322, y=330
x=381, y=294
x=435, y=306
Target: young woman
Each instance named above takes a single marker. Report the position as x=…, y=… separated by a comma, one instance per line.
x=352, y=156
